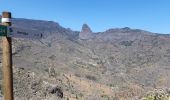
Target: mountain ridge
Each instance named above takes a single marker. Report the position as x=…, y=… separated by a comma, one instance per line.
x=119, y=63
x=57, y=24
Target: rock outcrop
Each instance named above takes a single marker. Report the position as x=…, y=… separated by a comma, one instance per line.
x=86, y=32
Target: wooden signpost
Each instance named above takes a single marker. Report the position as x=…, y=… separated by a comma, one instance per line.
x=7, y=32
x=7, y=57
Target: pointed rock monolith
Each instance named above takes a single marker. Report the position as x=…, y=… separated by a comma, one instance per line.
x=86, y=32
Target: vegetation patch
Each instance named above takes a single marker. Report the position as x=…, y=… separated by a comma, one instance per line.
x=93, y=78
x=157, y=96
x=126, y=43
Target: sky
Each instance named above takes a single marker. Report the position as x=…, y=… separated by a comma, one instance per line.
x=100, y=15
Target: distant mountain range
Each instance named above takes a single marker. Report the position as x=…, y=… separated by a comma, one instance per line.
x=117, y=63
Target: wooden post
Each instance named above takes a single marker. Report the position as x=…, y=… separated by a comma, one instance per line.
x=7, y=60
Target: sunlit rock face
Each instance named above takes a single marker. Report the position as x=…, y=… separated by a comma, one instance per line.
x=86, y=32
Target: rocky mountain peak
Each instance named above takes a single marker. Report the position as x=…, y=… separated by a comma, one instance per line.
x=86, y=29
x=86, y=32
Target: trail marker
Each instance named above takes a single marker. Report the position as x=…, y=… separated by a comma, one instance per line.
x=8, y=32
x=3, y=30
x=7, y=58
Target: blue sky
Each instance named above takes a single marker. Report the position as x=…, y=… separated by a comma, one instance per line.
x=151, y=15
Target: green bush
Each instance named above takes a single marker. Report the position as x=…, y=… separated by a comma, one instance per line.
x=157, y=97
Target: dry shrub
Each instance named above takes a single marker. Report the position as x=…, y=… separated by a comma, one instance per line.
x=130, y=92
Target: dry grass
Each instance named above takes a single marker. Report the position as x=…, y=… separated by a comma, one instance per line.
x=131, y=91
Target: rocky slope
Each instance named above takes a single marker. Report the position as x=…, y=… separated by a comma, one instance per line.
x=118, y=64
